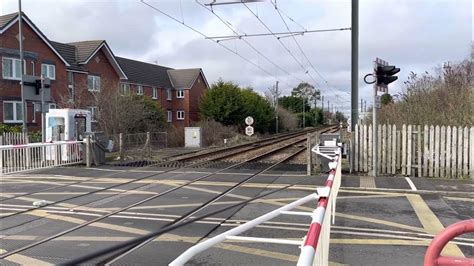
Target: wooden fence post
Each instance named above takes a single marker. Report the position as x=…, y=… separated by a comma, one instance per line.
x=389, y=149
x=426, y=152
x=384, y=150
x=356, y=148
x=370, y=154
x=436, y=152
x=420, y=152
x=409, y=149
x=399, y=149
x=394, y=149
x=442, y=153
x=471, y=148
x=448, y=151
x=465, y=160
x=404, y=149
x=431, y=158
x=365, y=148
x=454, y=142
x=460, y=143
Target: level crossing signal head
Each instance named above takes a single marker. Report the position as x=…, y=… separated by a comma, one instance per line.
x=385, y=74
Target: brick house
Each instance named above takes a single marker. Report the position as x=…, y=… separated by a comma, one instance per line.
x=78, y=70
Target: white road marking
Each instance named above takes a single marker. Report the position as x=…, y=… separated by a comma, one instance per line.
x=412, y=186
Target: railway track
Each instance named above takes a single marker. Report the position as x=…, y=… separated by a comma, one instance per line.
x=27, y=222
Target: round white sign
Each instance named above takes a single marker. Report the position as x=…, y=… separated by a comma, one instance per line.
x=249, y=120
x=249, y=130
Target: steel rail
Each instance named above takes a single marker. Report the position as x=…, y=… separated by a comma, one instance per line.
x=189, y=214
x=9, y=253
x=125, y=183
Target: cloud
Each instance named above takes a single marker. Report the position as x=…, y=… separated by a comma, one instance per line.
x=414, y=35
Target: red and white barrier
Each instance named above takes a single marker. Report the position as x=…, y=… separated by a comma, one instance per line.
x=433, y=254
x=315, y=250
x=315, y=247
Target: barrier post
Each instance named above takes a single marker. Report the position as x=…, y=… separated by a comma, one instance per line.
x=121, y=146
x=309, y=162
x=88, y=151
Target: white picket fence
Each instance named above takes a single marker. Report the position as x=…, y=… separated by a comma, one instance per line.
x=413, y=150
x=13, y=138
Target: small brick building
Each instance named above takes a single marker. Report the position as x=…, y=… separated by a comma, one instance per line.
x=78, y=70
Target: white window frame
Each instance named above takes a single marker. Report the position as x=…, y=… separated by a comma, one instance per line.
x=95, y=83
x=51, y=106
x=50, y=71
x=14, y=74
x=180, y=94
x=124, y=88
x=15, y=118
x=94, y=113
x=139, y=90
x=178, y=116
x=169, y=95
x=154, y=93
x=170, y=116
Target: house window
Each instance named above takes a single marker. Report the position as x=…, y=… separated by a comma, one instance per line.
x=51, y=106
x=48, y=71
x=12, y=112
x=32, y=68
x=93, y=83
x=70, y=86
x=124, y=88
x=168, y=94
x=180, y=115
x=11, y=68
x=154, y=93
x=180, y=94
x=94, y=113
x=170, y=116
x=139, y=90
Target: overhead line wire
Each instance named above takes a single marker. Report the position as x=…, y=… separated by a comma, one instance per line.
x=227, y=23
x=205, y=36
x=286, y=48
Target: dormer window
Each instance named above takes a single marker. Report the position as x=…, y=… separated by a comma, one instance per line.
x=180, y=94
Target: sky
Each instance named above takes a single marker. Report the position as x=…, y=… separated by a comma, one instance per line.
x=414, y=35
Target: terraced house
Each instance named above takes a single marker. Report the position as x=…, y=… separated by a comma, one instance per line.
x=80, y=70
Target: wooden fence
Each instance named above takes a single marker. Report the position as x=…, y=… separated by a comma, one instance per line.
x=413, y=150
x=11, y=138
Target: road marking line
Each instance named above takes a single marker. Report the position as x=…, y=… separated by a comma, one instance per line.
x=24, y=260
x=367, y=182
x=431, y=223
x=368, y=196
x=412, y=186
x=383, y=222
x=459, y=199
x=391, y=242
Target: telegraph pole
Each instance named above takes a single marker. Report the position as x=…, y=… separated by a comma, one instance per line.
x=276, y=107
x=22, y=64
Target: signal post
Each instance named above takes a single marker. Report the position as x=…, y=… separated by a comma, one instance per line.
x=383, y=74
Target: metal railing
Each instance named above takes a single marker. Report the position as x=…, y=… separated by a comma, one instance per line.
x=318, y=238
x=25, y=157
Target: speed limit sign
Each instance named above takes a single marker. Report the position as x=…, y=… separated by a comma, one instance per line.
x=249, y=131
x=249, y=121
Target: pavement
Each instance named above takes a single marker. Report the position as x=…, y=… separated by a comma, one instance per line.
x=386, y=220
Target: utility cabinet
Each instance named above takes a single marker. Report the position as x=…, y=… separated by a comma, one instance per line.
x=192, y=137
